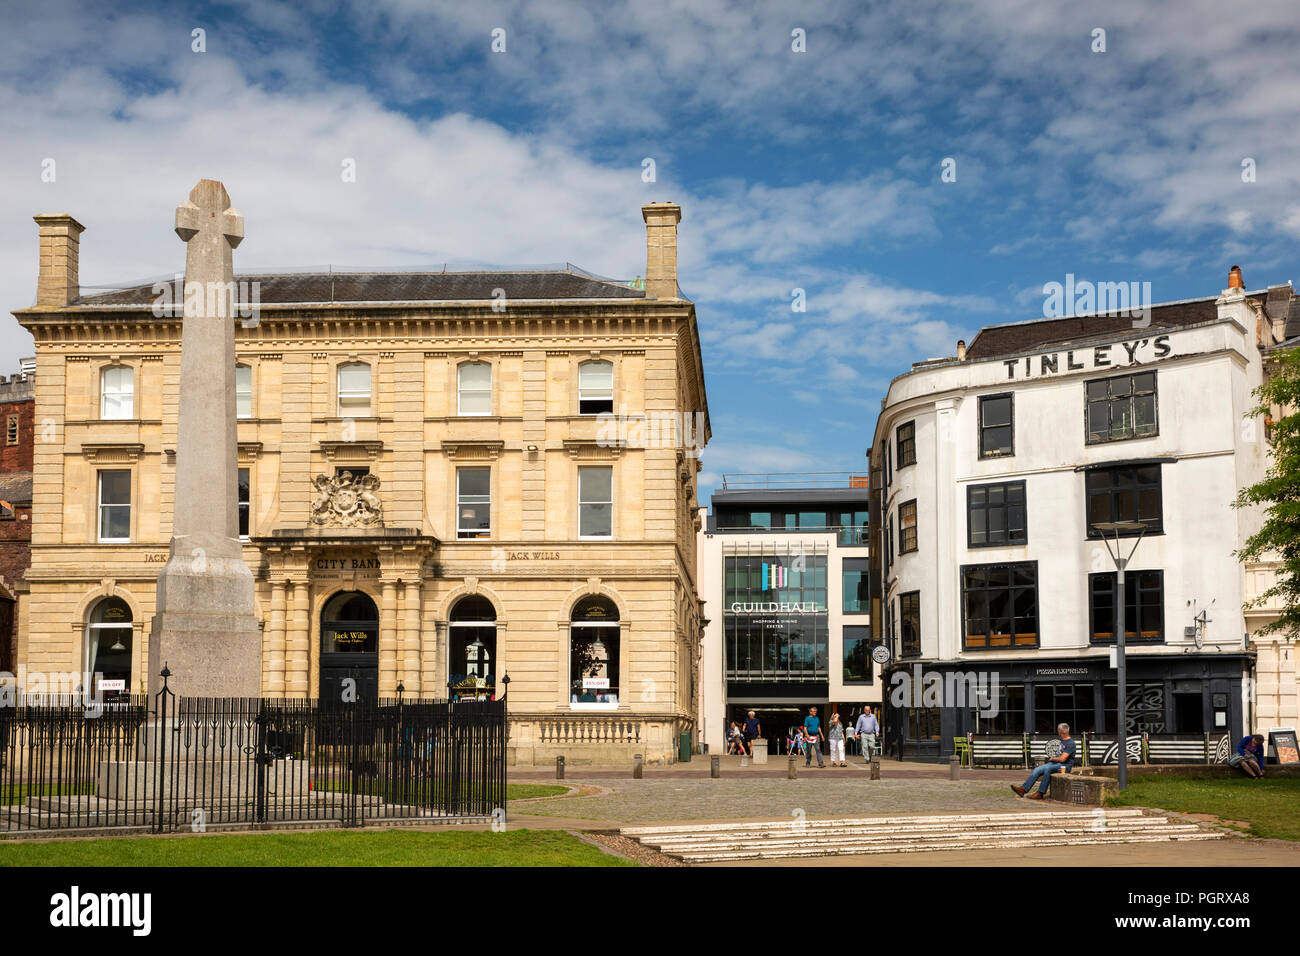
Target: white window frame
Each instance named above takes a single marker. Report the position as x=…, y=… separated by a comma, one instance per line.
x=461, y=390
x=125, y=396
x=610, y=502
x=616, y=627
x=248, y=393
x=247, y=506
x=355, y=395
x=99, y=510
x=460, y=501
x=603, y=395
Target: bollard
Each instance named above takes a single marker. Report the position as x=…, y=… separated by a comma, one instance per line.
x=792, y=771
x=875, y=767
x=954, y=767
x=715, y=766
x=636, y=766
x=559, y=768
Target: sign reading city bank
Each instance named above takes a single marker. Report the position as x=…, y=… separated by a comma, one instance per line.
x=1113, y=354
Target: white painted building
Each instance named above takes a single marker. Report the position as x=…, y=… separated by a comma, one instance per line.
x=992, y=467
x=785, y=576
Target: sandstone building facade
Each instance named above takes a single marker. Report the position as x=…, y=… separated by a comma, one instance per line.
x=438, y=488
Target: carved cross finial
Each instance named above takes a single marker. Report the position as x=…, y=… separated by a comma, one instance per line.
x=208, y=211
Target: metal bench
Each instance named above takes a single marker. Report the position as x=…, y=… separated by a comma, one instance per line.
x=986, y=751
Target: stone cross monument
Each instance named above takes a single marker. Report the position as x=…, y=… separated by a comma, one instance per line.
x=205, y=627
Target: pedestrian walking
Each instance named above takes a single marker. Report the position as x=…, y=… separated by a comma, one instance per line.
x=868, y=728
x=753, y=730
x=812, y=731
x=835, y=734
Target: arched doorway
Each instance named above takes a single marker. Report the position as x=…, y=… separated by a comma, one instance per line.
x=594, y=654
x=109, y=636
x=349, y=647
x=472, y=649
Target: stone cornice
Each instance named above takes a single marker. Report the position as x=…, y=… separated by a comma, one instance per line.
x=473, y=450
x=100, y=453
x=591, y=450
x=351, y=449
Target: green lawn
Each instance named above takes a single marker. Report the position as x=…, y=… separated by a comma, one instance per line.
x=318, y=848
x=1268, y=805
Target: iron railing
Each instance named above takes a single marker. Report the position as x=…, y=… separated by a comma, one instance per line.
x=174, y=763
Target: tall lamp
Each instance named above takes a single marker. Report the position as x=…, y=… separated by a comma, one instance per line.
x=1121, y=562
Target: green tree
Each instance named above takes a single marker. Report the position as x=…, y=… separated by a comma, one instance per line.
x=1279, y=493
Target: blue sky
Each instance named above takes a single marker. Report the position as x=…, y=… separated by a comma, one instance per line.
x=818, y=170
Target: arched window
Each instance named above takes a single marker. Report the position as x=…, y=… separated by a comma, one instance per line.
x=243, y=391
x=594, y=654
x=595, y=388
x=354, y=390
x=108, y=647
x=472, y=648
x=474, y=389
x=117, y=392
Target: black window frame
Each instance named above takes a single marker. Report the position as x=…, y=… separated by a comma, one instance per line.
x=906, y=445
x=866, y=643
x=914, y=599
x=243, y=500
x=1134, y=588
x=865, y=579
x=1109, y=400
x=902, y=529
x=1011, y=590
x=1115, y=490
x=1011, y=425
x=1006, y=507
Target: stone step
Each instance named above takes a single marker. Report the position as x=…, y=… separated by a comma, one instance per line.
x=870, y=835
x=932, y=835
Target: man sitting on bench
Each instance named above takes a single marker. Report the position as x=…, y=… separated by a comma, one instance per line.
x=1042, y=774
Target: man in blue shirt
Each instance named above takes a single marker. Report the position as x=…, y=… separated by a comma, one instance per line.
x=752, y=732
x=1042, y=774
x=812, y=729
x=867, y=728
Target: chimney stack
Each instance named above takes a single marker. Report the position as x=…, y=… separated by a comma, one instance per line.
x=58, y=283
x=961, y=350
x=661, y=219
x=1234, y=278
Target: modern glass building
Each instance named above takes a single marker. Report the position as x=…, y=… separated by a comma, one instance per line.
x=785, y=575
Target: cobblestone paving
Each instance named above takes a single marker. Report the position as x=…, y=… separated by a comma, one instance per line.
x=650, y=800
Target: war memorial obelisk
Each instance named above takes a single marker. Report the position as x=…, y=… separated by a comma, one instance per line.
x=205, y=628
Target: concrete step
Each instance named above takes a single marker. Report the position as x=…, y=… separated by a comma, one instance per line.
x=869, y=835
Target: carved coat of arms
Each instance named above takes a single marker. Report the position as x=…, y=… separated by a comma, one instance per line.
x=344, y=501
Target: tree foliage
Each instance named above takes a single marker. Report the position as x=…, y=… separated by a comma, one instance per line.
x=1279, y=493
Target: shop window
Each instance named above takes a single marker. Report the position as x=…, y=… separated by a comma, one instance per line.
x=594, y=654
x=473, y=502
x=354, y=390
x=115, y=506
x=995, y=515
x=1121, y=407
x=109, y=640
x=1000, y=605
x=1071, y=704
x=472, y=647
x=595, y=388
x=1144, y=607
x=474, y=389
x=996, y=426
x=117, y=393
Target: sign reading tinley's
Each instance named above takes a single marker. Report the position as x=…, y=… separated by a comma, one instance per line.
x=1110, y=355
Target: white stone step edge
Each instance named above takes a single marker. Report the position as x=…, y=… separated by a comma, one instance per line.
x=1044, y=816
x=1081, y=826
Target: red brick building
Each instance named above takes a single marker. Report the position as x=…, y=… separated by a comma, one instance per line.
x=17, y=436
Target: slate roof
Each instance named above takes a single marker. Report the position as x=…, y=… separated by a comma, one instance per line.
x=322, y=288
x=16, y=489
x=996, y=341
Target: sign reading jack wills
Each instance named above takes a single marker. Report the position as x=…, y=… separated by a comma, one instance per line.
x=1112, y=354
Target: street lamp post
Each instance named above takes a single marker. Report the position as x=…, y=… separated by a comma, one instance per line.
x=1121, y=690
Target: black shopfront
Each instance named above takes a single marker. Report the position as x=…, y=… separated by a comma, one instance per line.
x=1167, y=694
